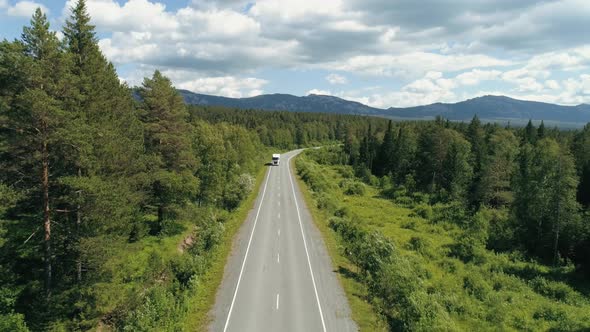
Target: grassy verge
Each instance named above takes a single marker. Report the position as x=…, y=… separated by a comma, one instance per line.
x=356, y=293
x=426, y=286
x=203, y=300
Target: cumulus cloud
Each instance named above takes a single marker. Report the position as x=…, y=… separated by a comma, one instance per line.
x=336, y=79
x=227, y=86
x=23, y=8
x=414, y=64
x=319, y=92
x=222, y=46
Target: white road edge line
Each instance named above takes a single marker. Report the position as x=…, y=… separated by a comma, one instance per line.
x=247, y=250
x=305, y=244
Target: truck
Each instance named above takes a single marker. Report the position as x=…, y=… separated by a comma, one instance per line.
x=276, y=158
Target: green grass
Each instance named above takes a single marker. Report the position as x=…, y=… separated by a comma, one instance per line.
x=203, y=300
x=500, y=292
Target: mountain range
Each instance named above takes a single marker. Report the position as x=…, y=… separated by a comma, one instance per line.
x=488, y=108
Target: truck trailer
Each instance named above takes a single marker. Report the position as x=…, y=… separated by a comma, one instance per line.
x=276, y=158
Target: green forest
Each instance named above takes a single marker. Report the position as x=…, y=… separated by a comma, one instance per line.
x=458, y=226
x=118, y=204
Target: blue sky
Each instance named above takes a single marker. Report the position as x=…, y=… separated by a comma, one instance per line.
x=384, y=53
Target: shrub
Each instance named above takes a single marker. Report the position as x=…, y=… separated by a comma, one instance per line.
x=403, y=299
x=346, y=172
x=370, y=252
x=353, y=188
x=342, y=211
x=187, y=267
x=468, y=249
x=13, y=323
x=420, y=245
x=326, y=202
x=453, y=212
x=409, y=224
x=505, y=282
x=336, y=223
x=476, y=286
x=501, y=235
x=555, y=290
x=159, y=311
x=237, y=190
x=421, y=198
x=404, y=201
x=424, y=211
x=550, y=313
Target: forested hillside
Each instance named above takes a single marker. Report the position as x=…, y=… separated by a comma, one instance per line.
x=446, y=226
x=489, y=108
x=114, y=210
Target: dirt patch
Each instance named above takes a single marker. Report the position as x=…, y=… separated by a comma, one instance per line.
x=187, y=242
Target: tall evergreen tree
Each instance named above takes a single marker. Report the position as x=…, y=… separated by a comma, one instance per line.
x=385, y=156
x=476, y=136
x=581, y=149
x=498, y=168
x=541, y=130
x=38, y=125
x=405, y=153
x=107, y=142
x=530, y=133
x=167, y=141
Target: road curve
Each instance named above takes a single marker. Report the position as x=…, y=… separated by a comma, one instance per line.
x=279, y=276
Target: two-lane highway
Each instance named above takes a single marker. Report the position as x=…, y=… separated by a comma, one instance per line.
x=280, y=277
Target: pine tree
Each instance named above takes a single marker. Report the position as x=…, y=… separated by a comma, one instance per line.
x=581, y=150
x=541, y=130
x=385, y=156
x=167, y=141
x=530, y=133
x=107, y=140
x=39, y=125
x=457, y=173
x=476, y=136
x=405, y=153
x=498, y=168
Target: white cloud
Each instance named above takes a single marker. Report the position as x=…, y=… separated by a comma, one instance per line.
x=296, y=10
x=227, y=86
x=3, y=4
x=476, y=76
x=552, y=84
x=319, y=92
x=414, y=64
x=23, y=8
x=336, y=79
x=133, y=15
x=220, y=46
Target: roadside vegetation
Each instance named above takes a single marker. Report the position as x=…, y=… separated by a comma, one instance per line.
x=431, y=239
x=118, y=205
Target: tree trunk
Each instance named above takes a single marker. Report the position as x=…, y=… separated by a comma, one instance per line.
x=46, y=217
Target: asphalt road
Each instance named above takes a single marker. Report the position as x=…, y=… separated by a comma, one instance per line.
x=279, y=276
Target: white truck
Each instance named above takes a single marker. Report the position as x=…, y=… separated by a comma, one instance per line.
x=276, y=158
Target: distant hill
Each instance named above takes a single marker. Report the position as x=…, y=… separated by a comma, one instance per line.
x=488, y=108
x=284, y=102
